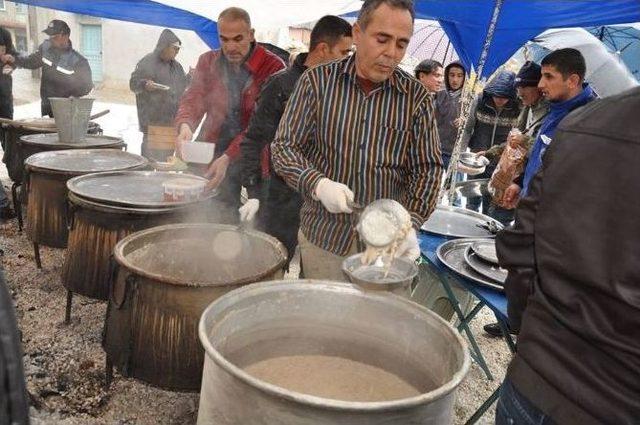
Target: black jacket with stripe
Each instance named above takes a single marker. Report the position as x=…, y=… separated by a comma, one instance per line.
x=65, y=73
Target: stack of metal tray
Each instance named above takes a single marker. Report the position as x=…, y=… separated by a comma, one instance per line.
x=474, y=259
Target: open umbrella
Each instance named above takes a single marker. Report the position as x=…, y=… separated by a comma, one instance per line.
x=622, y=40
x=429, y=41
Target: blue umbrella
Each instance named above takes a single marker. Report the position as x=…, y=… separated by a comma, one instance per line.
x=624, y=41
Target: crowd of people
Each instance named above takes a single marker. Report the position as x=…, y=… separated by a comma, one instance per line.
x=344, y=125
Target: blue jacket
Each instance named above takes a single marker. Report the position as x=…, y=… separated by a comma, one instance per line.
x=557, y=112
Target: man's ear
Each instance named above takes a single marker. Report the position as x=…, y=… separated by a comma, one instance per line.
x=574, y=80
x=356, y=32
x=252, y=34
x=323, y=49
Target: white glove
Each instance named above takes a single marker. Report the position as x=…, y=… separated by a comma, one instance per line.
x=334, y=196
x=409, y=248
x=249, y=209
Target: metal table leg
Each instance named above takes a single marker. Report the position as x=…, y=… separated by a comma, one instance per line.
x=507, y=336
x=464, y=325
x=485, y=406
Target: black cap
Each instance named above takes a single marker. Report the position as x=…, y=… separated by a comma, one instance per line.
x=57, y=27
x=529, y=75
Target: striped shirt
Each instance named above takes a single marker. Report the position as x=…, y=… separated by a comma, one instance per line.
x=383, y=144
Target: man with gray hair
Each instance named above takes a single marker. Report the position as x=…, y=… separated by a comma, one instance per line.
x=355, y=131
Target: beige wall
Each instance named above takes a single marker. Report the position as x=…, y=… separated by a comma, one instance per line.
x=125, y=43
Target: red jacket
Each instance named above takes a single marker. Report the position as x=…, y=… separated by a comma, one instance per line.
x=208, y=94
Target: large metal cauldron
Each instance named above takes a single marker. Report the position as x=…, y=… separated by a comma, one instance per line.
x=20, y=142
x=106, y=207
x=166, y=277
x=47, y=175
x=303, y=318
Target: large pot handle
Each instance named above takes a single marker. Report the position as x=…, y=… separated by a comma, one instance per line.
x=71, y=214
x=25, y=178
x=119, y=289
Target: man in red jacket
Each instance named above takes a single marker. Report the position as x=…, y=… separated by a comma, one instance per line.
x=225, y=86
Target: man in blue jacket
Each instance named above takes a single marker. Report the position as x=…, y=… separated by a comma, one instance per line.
x=562, y=83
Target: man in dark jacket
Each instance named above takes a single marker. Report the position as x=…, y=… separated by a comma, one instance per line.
x=534, y=109
x=157, y=105
x=429, y=72
x=6, y=82
x=225, y=86
x=330, y=40
x=492, y=116
x=6, y=109
x=65, y=72
x=574, y=281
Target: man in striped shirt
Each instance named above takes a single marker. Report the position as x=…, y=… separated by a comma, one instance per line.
x=358, y=130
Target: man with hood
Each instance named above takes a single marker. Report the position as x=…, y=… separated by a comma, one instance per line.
x=493, y=114
x=65, y=72
x=448, y=119
x=225, y=87
x=535, y=109
x=562, y=84
x=157, y=105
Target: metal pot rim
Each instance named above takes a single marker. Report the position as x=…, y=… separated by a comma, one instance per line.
x=326, y=403
x=32, y=139
x=73, y=182
x=411, y=264
x=118, y=252
x=115, y=209
x=143, y=162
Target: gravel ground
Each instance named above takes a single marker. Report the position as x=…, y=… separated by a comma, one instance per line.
x=64, y=364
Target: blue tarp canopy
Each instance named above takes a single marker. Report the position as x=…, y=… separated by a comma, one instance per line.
x=139, y=11
x=465, y=21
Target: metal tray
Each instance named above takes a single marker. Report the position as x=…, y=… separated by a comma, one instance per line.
x=142, y=189
x=471, y=160
x=492, y=271
x=53, y=140
x=451, y=254
x=459, y=223
x=472, y=188
x=80, y=202
x=486, y=250
x=85, y=161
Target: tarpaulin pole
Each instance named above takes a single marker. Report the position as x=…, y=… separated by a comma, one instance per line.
x=466, y=100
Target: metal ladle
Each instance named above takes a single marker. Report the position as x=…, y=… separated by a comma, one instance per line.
x=388, y=209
